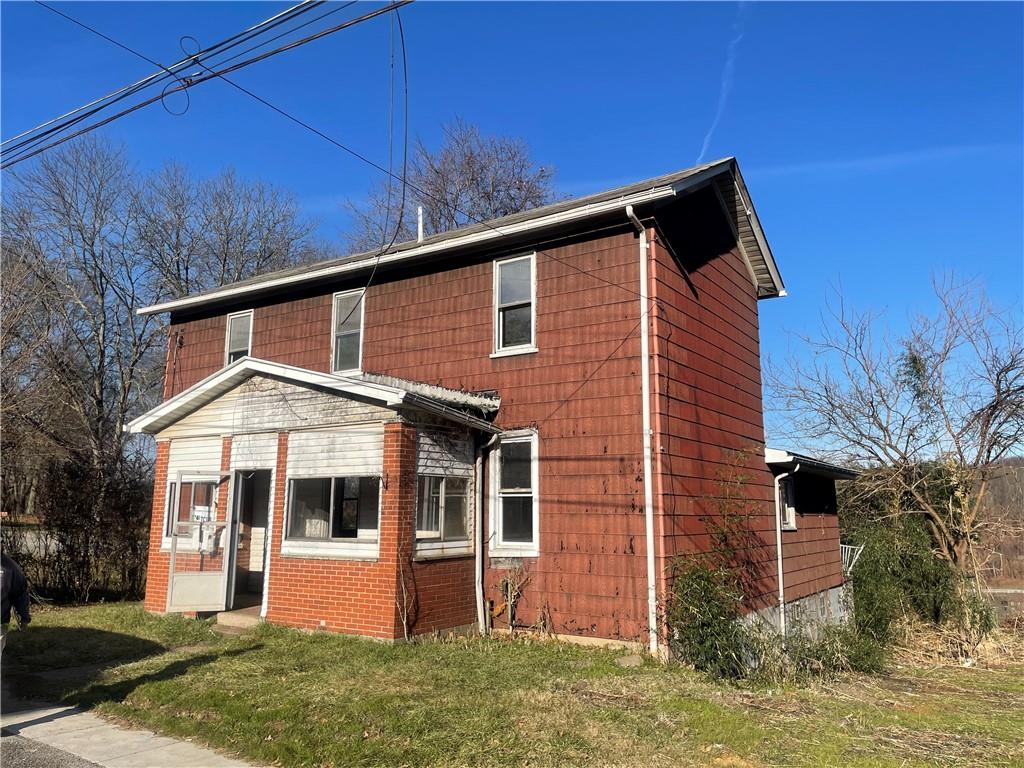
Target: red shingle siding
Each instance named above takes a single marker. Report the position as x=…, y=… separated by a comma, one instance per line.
x=811, y=556
x=709, y=408
x=710, y=423
x=194, y=350
x=581, y=390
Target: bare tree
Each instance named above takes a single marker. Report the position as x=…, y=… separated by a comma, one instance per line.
x=470, y=178
x=201, y=235
x=86, y=241
x=931, y=413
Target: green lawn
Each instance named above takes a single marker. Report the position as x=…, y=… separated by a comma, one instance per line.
x=281, y=696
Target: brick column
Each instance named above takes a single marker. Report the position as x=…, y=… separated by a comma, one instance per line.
x=156, y=570
x=225, y=470
x=276, y=599
x=397, y=521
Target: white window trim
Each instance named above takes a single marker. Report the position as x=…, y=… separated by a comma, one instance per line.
x=227, y=334
x=498, y=547
x=427, y=546
x=520, y=349
x=787, y=512
x=363, y=547
x=184, y=544
x=334, y=329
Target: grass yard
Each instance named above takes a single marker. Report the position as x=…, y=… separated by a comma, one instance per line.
x=278, y=696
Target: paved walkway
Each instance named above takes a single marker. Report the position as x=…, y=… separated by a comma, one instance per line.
x=90, y=738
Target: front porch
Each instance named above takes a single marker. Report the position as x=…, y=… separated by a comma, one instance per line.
x=338, y=540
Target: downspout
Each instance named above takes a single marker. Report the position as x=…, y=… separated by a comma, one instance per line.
x=478, y=528
x=778, y=550
x=645, y=389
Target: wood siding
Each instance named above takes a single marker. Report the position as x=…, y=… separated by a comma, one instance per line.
x=581, y=391
x=709, y=448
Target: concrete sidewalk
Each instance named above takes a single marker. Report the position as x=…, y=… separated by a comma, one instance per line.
x=93, y=739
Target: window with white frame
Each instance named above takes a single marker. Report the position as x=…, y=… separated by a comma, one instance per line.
x=442, y=507
x=515, y=493
x=787, y=503
x=333, y=508
x=515, y=297
x=192, y=500
x=347, y=343
x=239, y=340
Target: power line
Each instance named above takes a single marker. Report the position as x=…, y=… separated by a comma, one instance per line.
x=405, y=112
x=157, y=77
x=359, y=156
x=192, y=82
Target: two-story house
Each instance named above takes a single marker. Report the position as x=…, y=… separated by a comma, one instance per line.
x=550, y=402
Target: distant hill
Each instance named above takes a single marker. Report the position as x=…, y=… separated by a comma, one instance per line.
x=1004, y=504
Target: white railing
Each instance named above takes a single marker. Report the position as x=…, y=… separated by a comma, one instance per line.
x=850, y=554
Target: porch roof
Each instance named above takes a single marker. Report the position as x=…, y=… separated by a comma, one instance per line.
x=467, y=408
x=776, y=458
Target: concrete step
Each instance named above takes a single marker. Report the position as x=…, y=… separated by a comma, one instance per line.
x=244, y=618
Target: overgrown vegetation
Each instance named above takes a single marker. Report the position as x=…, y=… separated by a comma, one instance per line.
x=282, y=697
x=899, y=579
x=708, y=630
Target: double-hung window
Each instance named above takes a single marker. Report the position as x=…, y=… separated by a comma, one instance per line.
x=515, y=509
x=190, y=501
x=333, y=508
x=787, y=503
x=442, y=508
x=239, y=340
x=347, y=343
x=515, y=300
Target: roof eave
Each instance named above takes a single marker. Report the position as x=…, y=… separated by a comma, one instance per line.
x=775, y=457
x=539, y=223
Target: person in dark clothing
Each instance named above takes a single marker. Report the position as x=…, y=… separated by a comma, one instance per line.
x=14, y=596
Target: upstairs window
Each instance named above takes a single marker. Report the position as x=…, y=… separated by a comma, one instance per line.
x=515, y=294
x=515, y=497
x=333, y=508
x=348, y=331
x=239, y=341
x=443, y=503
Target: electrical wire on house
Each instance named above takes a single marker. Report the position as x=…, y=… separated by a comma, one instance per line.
x=192, y=81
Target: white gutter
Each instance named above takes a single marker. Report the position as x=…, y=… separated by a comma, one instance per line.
x=778, y=551
x=478, y=534
x=492, y=233
x=645, y=390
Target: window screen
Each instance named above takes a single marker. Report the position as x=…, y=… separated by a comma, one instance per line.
x=239, y=336
x=348, y=328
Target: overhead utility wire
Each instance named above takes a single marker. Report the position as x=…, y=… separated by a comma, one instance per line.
x=391, y=106
x=157, y=77
x=359, y=156
x=191, y=82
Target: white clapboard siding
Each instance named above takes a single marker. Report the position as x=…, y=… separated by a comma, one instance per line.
x=256, y=539
x=440, y=453
x=199, y=455
x=254, y=451
x=267, y=405
x=344, y=452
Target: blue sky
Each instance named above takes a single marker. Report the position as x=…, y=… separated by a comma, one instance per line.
x=881, y=142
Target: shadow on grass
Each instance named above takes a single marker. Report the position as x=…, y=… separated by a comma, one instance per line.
x=41, y=649
x=68, y=664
